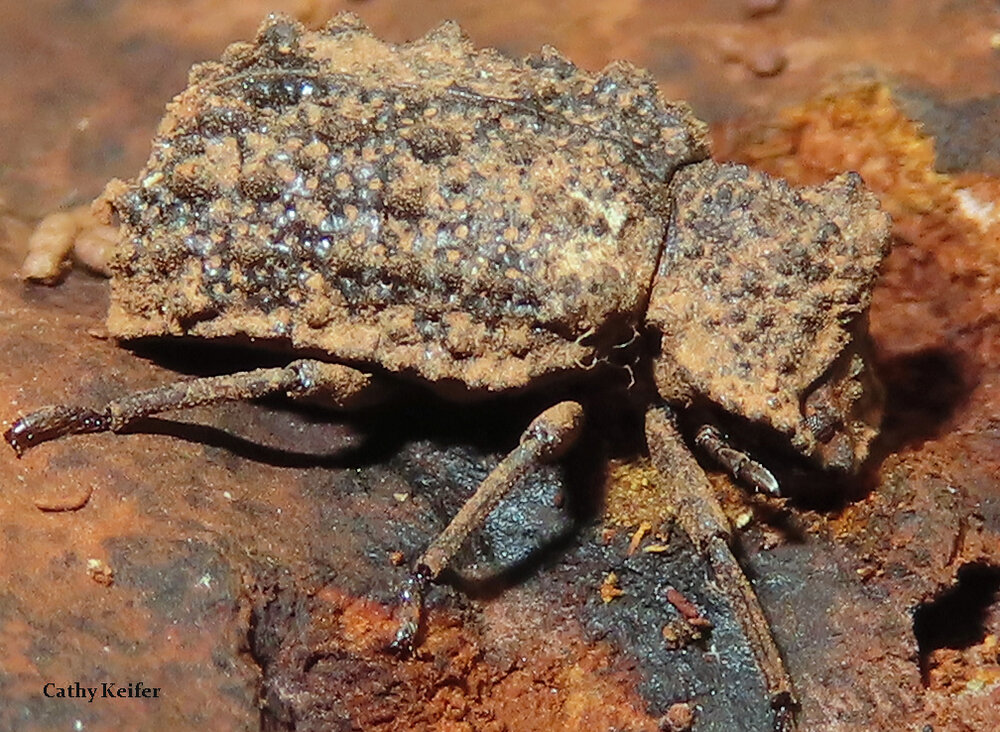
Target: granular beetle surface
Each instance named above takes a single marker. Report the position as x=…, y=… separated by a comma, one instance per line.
x=439, y=210
x=484, y=225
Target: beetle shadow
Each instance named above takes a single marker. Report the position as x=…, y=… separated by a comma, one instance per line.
x=356, y=438
x=379, y=433
x=494, y=582
x=366, y=436
x=924, y=390
x=584, y=471
x=339, y=457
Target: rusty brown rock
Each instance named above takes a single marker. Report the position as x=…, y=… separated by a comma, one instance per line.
x=931, y=320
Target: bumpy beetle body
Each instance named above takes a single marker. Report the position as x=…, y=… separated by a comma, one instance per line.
x=485, y=225
x=480, y=222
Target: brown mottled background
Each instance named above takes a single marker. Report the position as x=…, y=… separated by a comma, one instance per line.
x=240, y=558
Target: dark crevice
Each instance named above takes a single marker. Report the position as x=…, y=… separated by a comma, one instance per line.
x=957, y=617
x=924, y=389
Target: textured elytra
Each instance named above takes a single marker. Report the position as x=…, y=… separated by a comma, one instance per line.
x=429, y=207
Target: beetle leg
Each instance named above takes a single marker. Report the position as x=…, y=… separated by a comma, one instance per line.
x=738, y=464
x=297, y=379
x=702, y=518
x=548, y=436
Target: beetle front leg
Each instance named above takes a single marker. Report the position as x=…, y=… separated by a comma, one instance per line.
x=703, y=520
x=300, y=378
x=548, y=436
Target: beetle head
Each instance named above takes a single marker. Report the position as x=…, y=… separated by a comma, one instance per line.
x=761, y=300
x=841, y=411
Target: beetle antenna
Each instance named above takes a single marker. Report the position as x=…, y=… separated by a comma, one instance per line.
x=738, y=464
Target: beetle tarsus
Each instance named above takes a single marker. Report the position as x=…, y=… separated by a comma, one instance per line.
x=784, y=713
x=50, y=423
x=756, y=629
x=412, y=600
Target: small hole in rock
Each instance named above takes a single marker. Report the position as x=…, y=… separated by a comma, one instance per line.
x=959, y=616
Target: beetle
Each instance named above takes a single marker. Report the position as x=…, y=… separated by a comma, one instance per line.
x=481, y=225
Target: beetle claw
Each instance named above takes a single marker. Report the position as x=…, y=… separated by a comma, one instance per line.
x=762, y=479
